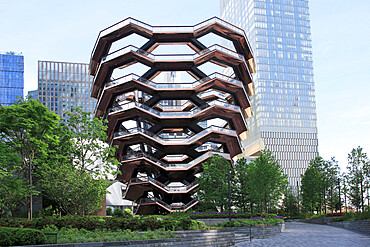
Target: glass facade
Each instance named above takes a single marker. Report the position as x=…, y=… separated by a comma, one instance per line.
x=11, y=77
x=64, y=86
x=284, y=106
x=33, y=94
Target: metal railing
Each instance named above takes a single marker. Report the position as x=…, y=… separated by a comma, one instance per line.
x=175, y=166
x=175, y=140
x=163, y=186
x=131, y=77
x=150, y=28
x=131, y=105
x=171, y=57
x=166, y=205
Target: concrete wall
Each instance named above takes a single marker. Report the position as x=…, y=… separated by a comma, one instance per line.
x=321, y=220
x=358, y=225
x=220, y=237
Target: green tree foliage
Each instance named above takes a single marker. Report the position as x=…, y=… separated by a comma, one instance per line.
x=26, y=128
x=69, y=163
x=90, y=153
x=259, y=183
x=358, y=176
x=290, y=203
x=75, y=176
x=266, y=180
x=74, y=192
x=311, y=186
x=13, y=189
x=320, y=185
x=242, y=185
x=213, y=186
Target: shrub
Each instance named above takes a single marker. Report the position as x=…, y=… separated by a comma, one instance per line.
x=255, y=221
x=197, y=225
x=149, y=223
x=172, y=222
x=334, y=214
x=20, y=236
x=73, y=235
x=203, y=215
x=118, y=213
x=233, y=224
x=127, y=213
x=350, y=216
x=50, y=229
x=109, y=211
x=16, y=222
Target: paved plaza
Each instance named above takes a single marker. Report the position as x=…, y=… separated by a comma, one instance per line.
x=302, y=234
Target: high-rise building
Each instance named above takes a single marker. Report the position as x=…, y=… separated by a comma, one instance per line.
x=34, y=94
x=64, y=86
x=284, y=107
x=11, y=77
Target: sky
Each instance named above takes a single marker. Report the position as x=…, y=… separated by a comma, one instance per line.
x=67, y=30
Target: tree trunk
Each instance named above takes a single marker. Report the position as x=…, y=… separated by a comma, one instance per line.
x=340, y=201
x=325, y=202
x=265, y=204
x=30, y=201
x=361, y=195
x=345, y=194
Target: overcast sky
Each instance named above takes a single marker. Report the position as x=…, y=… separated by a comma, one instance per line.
x=66, y=31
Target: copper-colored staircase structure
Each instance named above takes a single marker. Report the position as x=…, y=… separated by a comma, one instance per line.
x=163, y=152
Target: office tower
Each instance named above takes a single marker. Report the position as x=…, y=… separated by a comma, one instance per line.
x=34, y=94
x=158, y=139
x=11, y=77
x=284, y=104
x=64, y=86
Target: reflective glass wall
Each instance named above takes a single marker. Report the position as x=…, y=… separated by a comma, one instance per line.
x=284, y=105
x=11, y=77
x=64, y=86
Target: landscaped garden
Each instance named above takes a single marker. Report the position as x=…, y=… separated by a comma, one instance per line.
x=80, y=229
x=74, y=188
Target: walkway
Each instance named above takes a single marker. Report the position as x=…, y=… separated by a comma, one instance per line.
x=299, y=234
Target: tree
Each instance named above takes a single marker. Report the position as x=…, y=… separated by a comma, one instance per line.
x=213, y=187
x=290, y=203
x=319, y=184
x=242, y=185
x=358, y=176
x=73, y=191
x=91, y=153
x=344, y=188
x=13, y=189
x=267, y=180
x=74, y=176
x=26, y=128
x=311, y=187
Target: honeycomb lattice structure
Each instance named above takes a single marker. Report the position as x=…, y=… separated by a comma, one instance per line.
x=165, y=144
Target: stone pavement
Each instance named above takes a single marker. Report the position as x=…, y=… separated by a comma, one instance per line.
x=299, y=234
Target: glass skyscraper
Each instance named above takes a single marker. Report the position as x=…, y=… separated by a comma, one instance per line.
x=11, y=77
x=64, y=86
x=284, y=107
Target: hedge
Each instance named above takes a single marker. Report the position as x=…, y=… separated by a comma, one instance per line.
x=143, y=223
x=207, y=215
x=20, y=236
